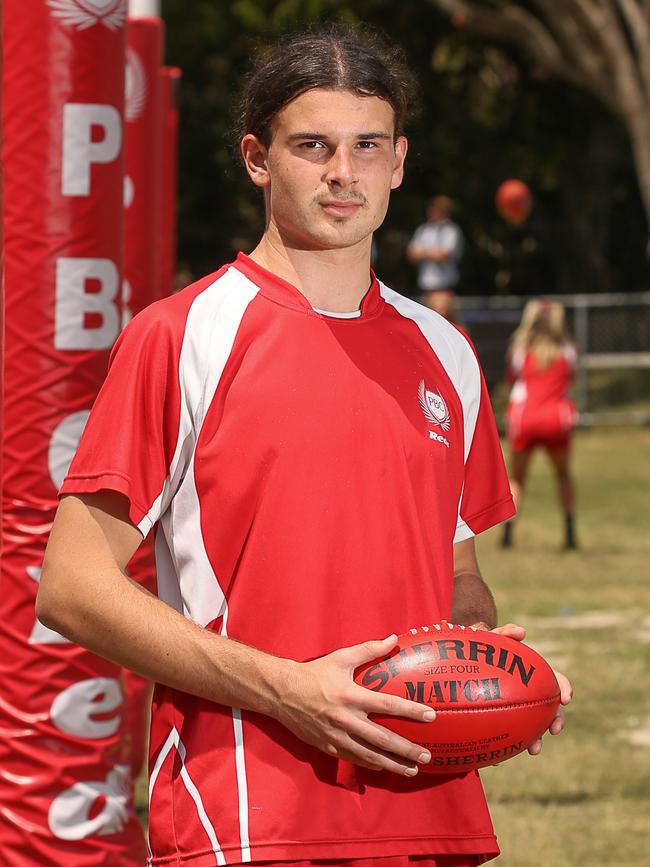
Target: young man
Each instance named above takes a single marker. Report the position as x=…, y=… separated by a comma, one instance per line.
x=436, y=248
x=317, y=452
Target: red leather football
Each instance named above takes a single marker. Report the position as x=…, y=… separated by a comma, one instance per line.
x=493, y=696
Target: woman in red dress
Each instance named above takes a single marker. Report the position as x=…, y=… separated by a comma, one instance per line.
x=541, y=365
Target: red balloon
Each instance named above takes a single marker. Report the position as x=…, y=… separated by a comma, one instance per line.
x=514, y=201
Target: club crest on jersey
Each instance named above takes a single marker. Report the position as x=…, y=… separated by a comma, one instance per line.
x=433, y=406
x=82, y=14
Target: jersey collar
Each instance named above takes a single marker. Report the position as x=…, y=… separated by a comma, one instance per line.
x=285, y=293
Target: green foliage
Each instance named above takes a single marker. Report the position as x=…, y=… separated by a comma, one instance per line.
x=485, y=116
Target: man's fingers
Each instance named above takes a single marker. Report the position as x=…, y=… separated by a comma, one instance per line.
x=566, y=690
x=367, y=651
x=536, y=747
x=359, y=751
x=512, y=630
x=388, y=743
x=555, y=728
x=393, y=705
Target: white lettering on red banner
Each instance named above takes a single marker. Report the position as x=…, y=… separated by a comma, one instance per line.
x=86, y=314
x=41, y=634
x=63, y=444
x=69, y=812
x=73, y=709
x=127, y=294
x=80, y=150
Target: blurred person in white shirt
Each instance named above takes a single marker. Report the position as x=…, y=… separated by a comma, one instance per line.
x=436, y=248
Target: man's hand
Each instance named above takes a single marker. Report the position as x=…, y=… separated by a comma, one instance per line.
x=566, y=690
x=325, y=708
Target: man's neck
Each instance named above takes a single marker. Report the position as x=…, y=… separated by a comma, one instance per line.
x=334, y=280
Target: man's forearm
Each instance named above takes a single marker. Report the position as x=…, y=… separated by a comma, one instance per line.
x=472, y=601
x=147, y=636
x=85, y=596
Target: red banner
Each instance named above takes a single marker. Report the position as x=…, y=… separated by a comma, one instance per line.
x=64, y=760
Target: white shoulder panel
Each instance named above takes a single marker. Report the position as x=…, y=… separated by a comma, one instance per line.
x=212, y=325
x=453, y=351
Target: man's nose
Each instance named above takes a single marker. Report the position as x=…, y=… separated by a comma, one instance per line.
x=340, y=168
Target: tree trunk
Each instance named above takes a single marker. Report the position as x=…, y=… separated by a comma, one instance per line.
x=638, y=129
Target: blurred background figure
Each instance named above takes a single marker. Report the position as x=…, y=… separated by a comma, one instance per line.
x=183, y=277
x=542, y=362
x=436, y=248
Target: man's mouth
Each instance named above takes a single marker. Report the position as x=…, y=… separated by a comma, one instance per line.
x=341, y=207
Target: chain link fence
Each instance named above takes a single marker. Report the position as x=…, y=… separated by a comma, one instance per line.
x=612, y=332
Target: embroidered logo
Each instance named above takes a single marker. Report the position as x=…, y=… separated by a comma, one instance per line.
x=433, y=406
x=82, y=14
x=435, y=411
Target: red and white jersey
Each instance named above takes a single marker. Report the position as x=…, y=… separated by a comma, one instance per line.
x=309, y=474
x=540, y=407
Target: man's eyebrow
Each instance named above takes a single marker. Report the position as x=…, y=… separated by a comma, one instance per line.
x=368, y=135
x=321, y=136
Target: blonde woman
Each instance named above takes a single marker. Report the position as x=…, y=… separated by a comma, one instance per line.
x=541, y=365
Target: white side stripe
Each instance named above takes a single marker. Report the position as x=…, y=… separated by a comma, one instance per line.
x=186, y=577
x=210, y=332
x=172, y=741
x=240, y=764
x=242, y=792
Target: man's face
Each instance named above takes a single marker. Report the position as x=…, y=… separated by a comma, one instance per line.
x=329, y=169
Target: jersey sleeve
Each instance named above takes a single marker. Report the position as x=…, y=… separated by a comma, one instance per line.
x=486, y=499
x=131, y=435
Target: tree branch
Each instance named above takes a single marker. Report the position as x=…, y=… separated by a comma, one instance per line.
x=580, y=40
x=638, y=27
x=625, y=72
x=511, y=23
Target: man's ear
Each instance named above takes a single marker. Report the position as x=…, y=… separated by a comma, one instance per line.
x=401, y=147
x=255, y=156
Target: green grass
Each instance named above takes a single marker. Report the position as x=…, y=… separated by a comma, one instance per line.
x=585, y=802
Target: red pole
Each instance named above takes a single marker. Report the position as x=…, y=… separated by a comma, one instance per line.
x=64, y=780
x=169, y=117
x=143, y=159
x=2, y=291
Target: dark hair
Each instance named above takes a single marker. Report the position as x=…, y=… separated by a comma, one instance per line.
x=332, y=57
